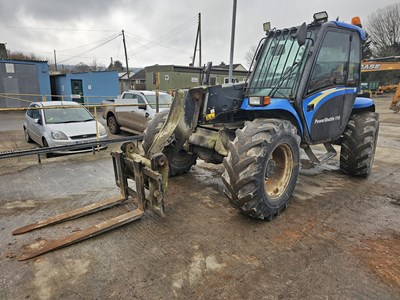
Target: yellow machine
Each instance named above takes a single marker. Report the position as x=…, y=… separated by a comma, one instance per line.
x=380, y=65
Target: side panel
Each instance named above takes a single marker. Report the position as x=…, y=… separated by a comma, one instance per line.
x=327, y=112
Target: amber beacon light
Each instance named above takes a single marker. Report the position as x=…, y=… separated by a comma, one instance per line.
x=356, y=21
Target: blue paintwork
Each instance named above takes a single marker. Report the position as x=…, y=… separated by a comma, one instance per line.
x=310, y=114
x=42, y=72
x=361, y=32
x=363, y=102
x=276, y=104
x=103, y=85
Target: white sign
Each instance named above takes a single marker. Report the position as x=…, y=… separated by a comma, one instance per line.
x=195, y=80
x=10, y=68
x=89, y=87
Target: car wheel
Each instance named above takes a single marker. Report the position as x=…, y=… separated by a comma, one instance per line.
x=113, y=125
x=46, y=145
x=27, y=137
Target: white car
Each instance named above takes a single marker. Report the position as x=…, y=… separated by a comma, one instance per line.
x=61, y=126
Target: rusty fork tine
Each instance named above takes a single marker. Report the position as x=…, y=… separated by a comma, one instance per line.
x=87, y=233
x=73, y=214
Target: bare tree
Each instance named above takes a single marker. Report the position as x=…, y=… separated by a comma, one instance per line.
x=383, y=27
x=249, y=55
x=23, y=56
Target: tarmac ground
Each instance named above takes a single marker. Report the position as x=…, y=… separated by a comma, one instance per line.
x=339, y=238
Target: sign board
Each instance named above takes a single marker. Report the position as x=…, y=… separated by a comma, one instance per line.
x=10, y=68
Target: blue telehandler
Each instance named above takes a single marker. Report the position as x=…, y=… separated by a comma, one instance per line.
x=302, y=91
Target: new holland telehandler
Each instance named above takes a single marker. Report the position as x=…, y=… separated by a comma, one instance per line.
x=302, y=91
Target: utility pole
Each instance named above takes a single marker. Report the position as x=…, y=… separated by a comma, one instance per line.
x=55, y=60
x=198, y=40
x=126, y=58
x=232, y=40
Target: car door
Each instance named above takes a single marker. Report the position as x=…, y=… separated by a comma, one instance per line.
x=123, y=112
x=139, y=116
x=34, y=124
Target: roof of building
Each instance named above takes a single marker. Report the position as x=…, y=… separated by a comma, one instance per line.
x=22, y=60
x=139, y=75
x=190, y=69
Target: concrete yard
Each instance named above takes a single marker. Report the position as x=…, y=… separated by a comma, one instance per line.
x=338, y=239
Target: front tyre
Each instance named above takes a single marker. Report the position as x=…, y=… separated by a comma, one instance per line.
x=27, y=136
x=181, y=162
x=359, y=143
x=262, y=167
x=46, y=145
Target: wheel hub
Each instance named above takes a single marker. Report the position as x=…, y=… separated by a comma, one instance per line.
x=271, y=167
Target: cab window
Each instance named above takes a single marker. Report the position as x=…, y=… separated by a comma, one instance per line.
x=332, y=62
x=128, y=96
x=354, y=63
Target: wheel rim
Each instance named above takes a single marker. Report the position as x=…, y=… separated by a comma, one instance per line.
x=111, y=125
x=278, y=171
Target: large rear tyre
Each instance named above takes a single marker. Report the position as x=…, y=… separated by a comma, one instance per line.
x=262, y=167
x=181, y=162
x=359, y=143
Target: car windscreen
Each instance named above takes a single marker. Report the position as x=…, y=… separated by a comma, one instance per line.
x=164, y=100
x=67, y=115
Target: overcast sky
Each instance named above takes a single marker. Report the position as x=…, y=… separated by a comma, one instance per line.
x=157, y=31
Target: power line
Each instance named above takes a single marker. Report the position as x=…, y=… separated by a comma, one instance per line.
x=102, y=44
x=165, y=37
x=83, y=46
x=57, y=29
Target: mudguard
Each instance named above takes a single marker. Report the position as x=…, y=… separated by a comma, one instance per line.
x=275, y=105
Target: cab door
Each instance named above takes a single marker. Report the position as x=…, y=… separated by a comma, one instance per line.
x=332, y=87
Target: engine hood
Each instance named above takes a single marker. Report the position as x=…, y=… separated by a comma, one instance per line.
x=73, y=129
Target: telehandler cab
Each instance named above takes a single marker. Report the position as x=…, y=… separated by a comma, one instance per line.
x=301, y=92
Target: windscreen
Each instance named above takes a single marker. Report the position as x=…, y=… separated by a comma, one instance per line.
x=278, y=65
x=67, y=115
x=164, y=100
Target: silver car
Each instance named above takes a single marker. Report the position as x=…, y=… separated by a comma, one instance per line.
x=61, y=126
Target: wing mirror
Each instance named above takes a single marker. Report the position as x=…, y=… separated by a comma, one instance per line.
x=301, y=34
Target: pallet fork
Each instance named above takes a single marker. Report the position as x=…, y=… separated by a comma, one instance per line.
x=151, y=178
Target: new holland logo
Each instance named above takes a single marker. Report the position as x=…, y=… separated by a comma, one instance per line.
x=327, y=120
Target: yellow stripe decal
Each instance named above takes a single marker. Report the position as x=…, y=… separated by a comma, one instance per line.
x=324, y=94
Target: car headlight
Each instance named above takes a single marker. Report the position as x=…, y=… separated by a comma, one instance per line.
x=102, y=130
x=58, y=135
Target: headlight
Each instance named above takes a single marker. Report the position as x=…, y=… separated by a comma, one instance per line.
x=58, y=135
x=259, y=101
x=102, y=130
